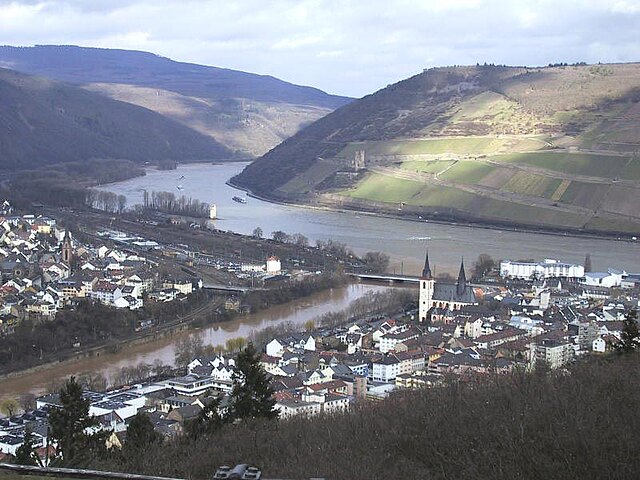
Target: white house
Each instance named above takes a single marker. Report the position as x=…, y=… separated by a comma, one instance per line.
x=273, y=265
x=277, y=346
x=391, y=339
x=128, y=301
x=106, y=292
x=610, y=278
x=386, y=369
x=290, y=408
x=599, y=345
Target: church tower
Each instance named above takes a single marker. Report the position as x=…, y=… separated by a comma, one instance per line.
x=462, y=280
x=426, y=290
x=67, y=249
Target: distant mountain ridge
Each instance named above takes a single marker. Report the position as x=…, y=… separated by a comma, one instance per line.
x=554, y=147
x=44, y=122
x=247, y=113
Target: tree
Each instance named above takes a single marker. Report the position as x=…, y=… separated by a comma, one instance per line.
x=141, y=436
x=188, y=348
x=630, y=338
x=71, y=428
x=9, y=407
x=28, y=401
x=300, y=240
x=209, y=419
x=93, y=381
x=122, y=202
x=483, y=265
x=587, y=263
x=280, y=236
x=257, y=232
x=376, y=262
x=252, y=396
x=26, y=453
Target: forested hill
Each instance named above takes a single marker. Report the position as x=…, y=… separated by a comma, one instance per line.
x=555, y=147
x=247, y=113
x=45, y=122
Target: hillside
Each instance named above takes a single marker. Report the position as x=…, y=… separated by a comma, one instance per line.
x=553, y=148
x=247, y=113
x=45, y=122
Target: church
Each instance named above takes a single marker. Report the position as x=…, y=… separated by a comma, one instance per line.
x=443, y=296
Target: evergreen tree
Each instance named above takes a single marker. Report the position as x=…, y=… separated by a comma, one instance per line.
x=26, y=454
x=208, y=421
x=587, y=263
x=141, y=435
x=251, y=396
x=73, y=429
x=630, y=338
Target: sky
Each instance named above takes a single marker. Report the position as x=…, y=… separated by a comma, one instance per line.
x=344, y=47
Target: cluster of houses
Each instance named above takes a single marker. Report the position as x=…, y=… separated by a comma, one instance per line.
x=44, y=269
x=457, y=329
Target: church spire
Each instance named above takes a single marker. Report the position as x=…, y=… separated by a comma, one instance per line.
x=462, y=279
x=426, y=271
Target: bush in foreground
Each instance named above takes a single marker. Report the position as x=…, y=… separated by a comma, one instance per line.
x=582, y=423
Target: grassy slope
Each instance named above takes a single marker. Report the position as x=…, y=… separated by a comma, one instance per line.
x=583, y=424
x=519, y=131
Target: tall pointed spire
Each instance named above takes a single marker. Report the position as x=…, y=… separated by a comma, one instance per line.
x=462, y=279
x=426, y=271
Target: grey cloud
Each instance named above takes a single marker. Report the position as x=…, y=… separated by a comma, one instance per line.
x=343, y=46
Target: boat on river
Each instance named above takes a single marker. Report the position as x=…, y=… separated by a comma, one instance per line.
x=239, y=199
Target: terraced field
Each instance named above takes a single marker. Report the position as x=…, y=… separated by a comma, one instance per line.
x=587, y=164
x=478, y=145
x=468, y=172
x=565, y=188
x=532, y=184
x=429, y=166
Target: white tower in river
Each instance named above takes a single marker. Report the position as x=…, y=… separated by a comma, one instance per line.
x=213, y=211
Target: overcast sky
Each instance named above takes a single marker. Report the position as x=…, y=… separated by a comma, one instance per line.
x=344, y=47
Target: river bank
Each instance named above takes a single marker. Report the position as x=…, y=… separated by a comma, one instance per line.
x=160, y=348
x=404, y=239
x=453, y=221
x=204, y=313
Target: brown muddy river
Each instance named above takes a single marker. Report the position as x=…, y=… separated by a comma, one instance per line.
x=297, y=312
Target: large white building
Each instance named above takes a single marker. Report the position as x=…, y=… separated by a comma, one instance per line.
x=548, y=268
x=610, y=278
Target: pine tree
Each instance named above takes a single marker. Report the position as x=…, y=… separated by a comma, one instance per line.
x=252, y=396
x=587, y=263
x=141, y=436
x=208, y=421
x=26, y=454
x=73, y=429
x=630, y=338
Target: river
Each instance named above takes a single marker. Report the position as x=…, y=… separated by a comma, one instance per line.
x=297, y=312
x=403, y=240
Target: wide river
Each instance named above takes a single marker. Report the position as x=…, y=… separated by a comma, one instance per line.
x=405, y=241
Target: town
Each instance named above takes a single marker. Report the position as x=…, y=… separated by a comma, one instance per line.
x=506, y=316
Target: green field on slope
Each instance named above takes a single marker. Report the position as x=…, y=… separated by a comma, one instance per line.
x=468, y=172
x=478, y=145
x=593, y=165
